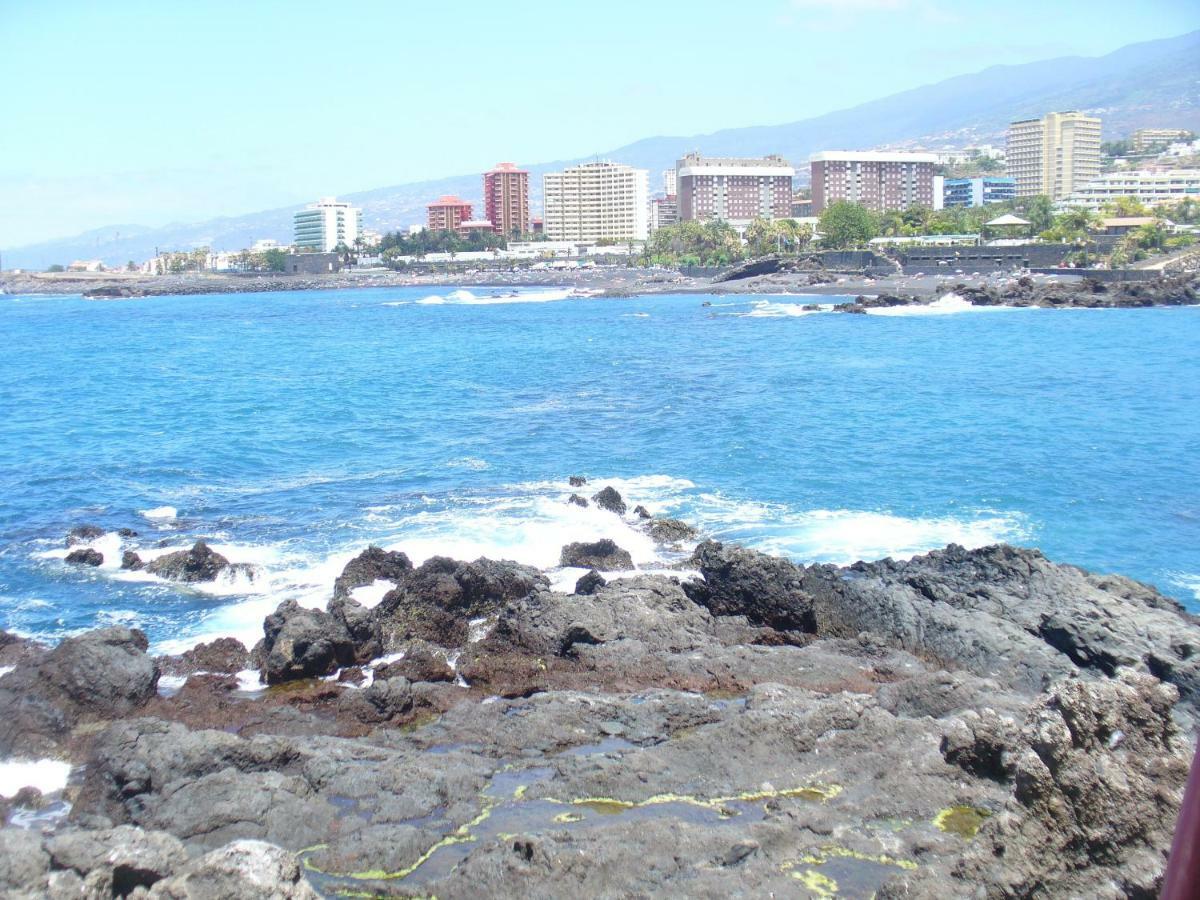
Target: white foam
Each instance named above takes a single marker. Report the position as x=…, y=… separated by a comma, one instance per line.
x=170, y=684
x=765, y=309
x=47, y=775
x=108, y=545
x=159, y=512
x=369, y=595
x=4, y=670
x=250, y=682
x=943, y=306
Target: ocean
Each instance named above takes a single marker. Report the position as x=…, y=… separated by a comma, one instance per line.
x=291, y=430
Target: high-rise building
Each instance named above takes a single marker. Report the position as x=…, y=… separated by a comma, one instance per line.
x=596, y=201
x=325, y=225
x=1055, y=154
x=506, y=199
x=978, y=191
x=880, y=181
x=737, y=191
x=1157, y=188
x=664, y=211
x=448, y=213
x=670, y=183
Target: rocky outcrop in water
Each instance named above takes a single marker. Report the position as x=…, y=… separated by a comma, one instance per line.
x=601, y=554
x=609, y=498
x=967, y=723
x=200, y=563
x=85, y=556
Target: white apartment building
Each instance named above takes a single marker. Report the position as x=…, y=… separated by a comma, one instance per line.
x=1055, y=154
x=1153, y=188
x=323, y=225
x=597, y=201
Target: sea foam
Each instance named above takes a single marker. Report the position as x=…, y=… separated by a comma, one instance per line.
x=47, y=775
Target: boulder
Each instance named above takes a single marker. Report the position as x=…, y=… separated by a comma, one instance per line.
x=373, y=564
x=85, y=556
x=361, y=624
x=590, y=583
x=609, y=498
x=602, y=554
x=131, y=561
x=577, y=481
x=126, y=857
x=247, y=869
x=200, y=563
x=577, y=500
x=224, y=655
x=84, y=534
x=765, y=589
x=24, y=862
x=437, y=601
x=419, y=663
x=671, y=531
x=303, y=643
x=641, y=512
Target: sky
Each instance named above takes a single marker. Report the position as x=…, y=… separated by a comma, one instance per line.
x=130, y=111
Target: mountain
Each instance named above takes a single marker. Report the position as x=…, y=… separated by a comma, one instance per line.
x=1156, y=83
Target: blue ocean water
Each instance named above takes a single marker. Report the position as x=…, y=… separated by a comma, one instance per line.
x=292, y=429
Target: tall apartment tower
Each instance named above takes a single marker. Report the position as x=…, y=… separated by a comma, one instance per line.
x=1054, y=155
x=596, y=201
x=506, y=199
x=736, y=191
x=880, y=181
x=326, y=224
x=448, y=213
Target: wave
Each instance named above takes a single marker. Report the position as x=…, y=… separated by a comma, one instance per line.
x=765, y=309
x=948, y=304
x=529, y=523
x=463, y=297
x=47, y=775
x=159, y=512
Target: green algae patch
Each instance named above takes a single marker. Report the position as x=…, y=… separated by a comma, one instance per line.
x=568, y=817
x=964, y=821
x=828, y=852
x=605, y=806
x=821, y=885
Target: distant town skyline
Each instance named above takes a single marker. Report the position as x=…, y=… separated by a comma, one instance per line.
x=147, y=114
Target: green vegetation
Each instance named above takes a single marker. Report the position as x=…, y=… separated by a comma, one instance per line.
x=847, y=225
x=273, y=260
x=783, y=236
x=395, y=244
x=57, y=268
x=713, y=243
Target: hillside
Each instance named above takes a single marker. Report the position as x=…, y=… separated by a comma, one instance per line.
x=1156, y=83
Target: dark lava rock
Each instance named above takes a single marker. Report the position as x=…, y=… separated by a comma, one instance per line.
x=127, y=532
x=100, y=674
x=610, y=499
x=418, y=664
x=590, y=583
x=131, y=561
x=85, y=556
x=671, y=531
x=83, y=534
x=224, y=655
x=577, y=481
x=247, y=869
x=373, y=564
x=601, y=554
x=577, y=500
x=361, y=624
x=641, y=512
x=303, y=643
x=200, y=563
x=765, y=589
x=437, y=600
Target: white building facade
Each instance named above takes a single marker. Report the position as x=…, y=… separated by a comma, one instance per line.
x=597, y=201
x=326, y=224
x=1151, y=188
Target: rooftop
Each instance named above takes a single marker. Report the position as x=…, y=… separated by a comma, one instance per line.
x=872, y=156
x=450, y=200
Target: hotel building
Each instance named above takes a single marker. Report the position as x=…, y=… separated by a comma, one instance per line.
x=977, y=191
x=448, y=213
x=1055, y=154
x=506, y=199
x=736, y=191
x=326, y=224
x=880, y=181
x=1151, y=188
x=596, y=201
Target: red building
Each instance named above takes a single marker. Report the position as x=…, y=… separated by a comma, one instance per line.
x=448, y=213
x=880, y=181
x=506, y=199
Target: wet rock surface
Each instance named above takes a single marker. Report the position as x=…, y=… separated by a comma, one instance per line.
x=200, y=563
x=603, y=554
x=967, y=723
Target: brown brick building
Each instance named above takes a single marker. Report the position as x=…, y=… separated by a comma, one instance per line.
x=506, y=199
x=880, y=181
x=733, y=190
x=448, y=213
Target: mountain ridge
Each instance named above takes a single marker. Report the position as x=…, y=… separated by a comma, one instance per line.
x=1153, y=83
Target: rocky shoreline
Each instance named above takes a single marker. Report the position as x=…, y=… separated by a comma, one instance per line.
x=967, y=723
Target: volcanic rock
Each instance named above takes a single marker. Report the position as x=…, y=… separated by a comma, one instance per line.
x=602, y=554
x=577, y=481
x=671, y=531
x=200, y=563
x=765, y=589
x=249, y=870
x=590, y=583
x=610, y=499
x=577, y=500
x=131, y=561
x=84, y=534
x=641, y=512
x=303, y=643
x=373, y=564
x=85, y=556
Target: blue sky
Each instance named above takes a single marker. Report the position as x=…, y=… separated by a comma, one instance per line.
x=152, y=112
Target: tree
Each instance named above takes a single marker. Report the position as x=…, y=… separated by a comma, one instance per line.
x=1127, y=207
x=1038, y=209
x=847, y=225
x=56, y=268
